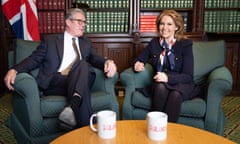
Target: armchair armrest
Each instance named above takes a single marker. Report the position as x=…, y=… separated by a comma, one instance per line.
x=219, y=85
x=110, y=83
x=104, y=84
x=26, y=102
x=132, y=80
x=137, y=79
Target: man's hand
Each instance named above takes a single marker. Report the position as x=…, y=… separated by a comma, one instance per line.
x=9, y=78
x=139, y=66
x=110, y=68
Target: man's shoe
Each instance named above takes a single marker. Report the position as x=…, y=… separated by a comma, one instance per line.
x=67, y=118
x=66, y=127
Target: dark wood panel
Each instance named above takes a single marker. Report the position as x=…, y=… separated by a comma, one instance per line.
x=99, y=47
x=233, y=63
x=119, y=47
x=121, y=53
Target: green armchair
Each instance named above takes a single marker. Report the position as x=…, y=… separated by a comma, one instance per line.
x=34, y=119
x=209, y=72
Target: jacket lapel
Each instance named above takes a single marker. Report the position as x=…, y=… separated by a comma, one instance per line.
x=60, y=45
x=81, y=46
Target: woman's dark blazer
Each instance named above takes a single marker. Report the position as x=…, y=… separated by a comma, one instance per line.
x=181, y=77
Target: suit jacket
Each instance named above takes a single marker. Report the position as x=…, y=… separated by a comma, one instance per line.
x=181, y=77
x=48, y=56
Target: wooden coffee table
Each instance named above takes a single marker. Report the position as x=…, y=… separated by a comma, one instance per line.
x=135, y=132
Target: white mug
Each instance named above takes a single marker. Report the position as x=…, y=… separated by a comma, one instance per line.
x=106, y=124
x=157, y=125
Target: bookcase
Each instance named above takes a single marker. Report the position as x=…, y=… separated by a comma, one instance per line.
x=106, y=16
x=118, y=30
x=222, y=16
x=150, y=9
x=222, y=21
x=51, y=15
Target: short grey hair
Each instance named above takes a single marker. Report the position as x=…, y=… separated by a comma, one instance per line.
x=72, y=11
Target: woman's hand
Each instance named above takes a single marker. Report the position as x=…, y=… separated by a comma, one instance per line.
x=161, y=77
x=138, y=66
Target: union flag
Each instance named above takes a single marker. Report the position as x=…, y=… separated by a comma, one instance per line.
x=22, y=15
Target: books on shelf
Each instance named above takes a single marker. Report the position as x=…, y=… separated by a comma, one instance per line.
x=51, y=16
x=51, y=22
x=166, y=3
x=107, y=22
x=222, y=21
x=107, y=16
x=147, y=22
x=222, y=16
x=96, y=4
x=51, y=4
x=222, y=4
x=112, y=16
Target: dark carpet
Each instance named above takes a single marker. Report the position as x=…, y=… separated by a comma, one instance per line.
x=231, y=108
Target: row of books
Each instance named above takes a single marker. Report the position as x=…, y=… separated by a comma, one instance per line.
x=222, y=4
x=222, y=21
x=105, y=22
x=105, y=3
x=51, y=22
x=147, y=22
x=166, y=3
x=50, y=4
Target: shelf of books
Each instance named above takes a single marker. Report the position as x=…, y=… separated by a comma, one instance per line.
x=166, y=4
x=222, y=16
x=150, y=9
x=107, y=16
x=51, y=16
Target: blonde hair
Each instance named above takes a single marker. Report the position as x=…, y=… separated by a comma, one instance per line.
x=178, y=20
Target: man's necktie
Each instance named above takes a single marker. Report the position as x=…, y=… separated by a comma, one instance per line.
x=75, y=48
x=68, y=68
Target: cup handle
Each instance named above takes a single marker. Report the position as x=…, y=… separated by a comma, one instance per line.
x=91, y=122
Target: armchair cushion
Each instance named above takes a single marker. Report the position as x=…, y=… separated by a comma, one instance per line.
x=207, y=56
x=23, y=49
x=52, y=105
x=193, y=108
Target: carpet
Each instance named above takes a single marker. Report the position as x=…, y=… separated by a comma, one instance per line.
x=231, y=108
x=6, y=135
x=230, y=104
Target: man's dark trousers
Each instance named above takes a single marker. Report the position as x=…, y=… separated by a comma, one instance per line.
x=79, y=80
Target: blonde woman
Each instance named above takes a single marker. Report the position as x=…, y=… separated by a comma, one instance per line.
x=171, y=56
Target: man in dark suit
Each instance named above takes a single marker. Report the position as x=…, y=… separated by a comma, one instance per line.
x=65, y=67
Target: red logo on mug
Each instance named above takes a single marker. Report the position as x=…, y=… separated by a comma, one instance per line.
x=158, y=129
x=109, y=127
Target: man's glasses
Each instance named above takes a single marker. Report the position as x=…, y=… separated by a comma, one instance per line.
x=81, y=22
